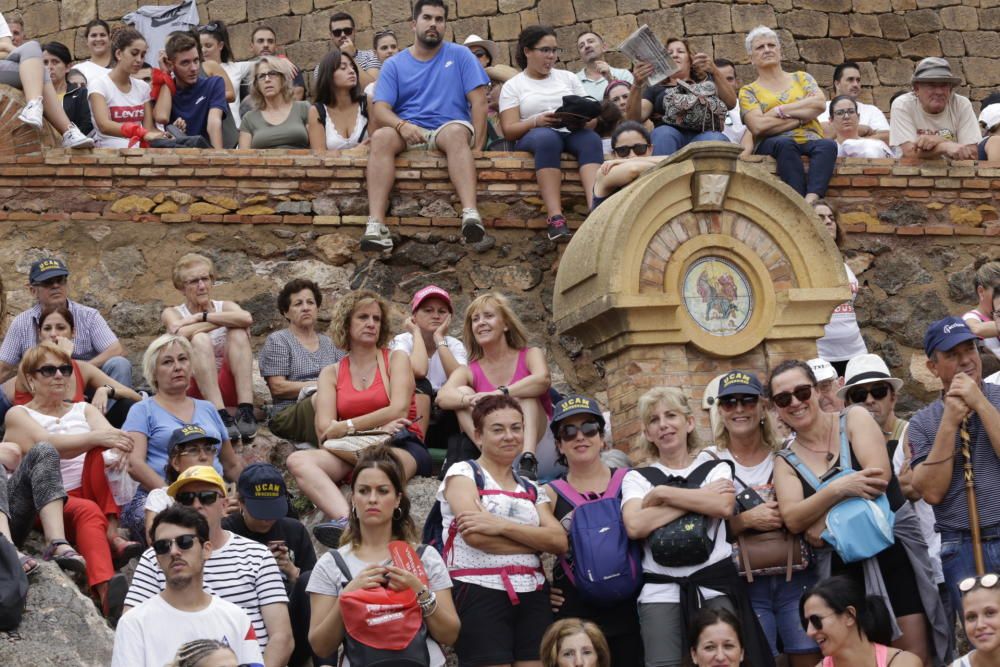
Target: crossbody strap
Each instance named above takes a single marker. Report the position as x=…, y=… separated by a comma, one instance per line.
x=380, y=358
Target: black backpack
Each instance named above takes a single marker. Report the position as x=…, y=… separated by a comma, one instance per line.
x=362, y=655
x=13, y=586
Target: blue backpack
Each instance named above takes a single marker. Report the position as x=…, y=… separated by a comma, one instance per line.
x=605, y=566
x=856, y=528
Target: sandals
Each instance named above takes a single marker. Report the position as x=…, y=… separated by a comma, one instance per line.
x=28, y=563
x=122, y=551
x=69, y=560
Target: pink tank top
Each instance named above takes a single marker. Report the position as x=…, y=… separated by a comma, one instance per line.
x=481, y=383
x=881, y=653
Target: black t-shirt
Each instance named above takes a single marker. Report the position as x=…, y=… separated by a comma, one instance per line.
x=295, y=535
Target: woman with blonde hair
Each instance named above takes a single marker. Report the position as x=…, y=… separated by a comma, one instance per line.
x=502, y=363
x=573, y=642
x=370, y=388
x=745, y=435
x=277, y=119
x=682, y=480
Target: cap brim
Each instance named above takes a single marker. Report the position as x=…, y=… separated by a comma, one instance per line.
x=745, y=389
x=896, y=383
x=575, y=411
x=181, y=483
x=953, y=80
x=51, y=273
x=267, y=509
x=951, y=342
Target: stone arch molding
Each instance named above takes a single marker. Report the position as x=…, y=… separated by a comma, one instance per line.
x=630, y=276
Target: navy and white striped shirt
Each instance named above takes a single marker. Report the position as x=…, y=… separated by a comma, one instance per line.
x=952, y=513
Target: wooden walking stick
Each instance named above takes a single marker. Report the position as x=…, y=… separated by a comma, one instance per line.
x=970, y=496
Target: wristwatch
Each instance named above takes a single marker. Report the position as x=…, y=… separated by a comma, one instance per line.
x=111, y=391
x=204, y=316
x=350, y=427
x=504, y=390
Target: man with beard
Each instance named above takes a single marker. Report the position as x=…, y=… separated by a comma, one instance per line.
x=935, y=434
x=180, y=541
x=433, y=96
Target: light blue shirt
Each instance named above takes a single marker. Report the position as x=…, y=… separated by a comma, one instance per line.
x=148, y=418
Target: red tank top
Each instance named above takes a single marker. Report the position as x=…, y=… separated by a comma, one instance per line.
x=24, y=397
x=352, y=403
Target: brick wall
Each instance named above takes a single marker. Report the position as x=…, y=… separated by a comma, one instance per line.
x=887, y=36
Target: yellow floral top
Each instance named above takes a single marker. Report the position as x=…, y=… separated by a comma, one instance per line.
x=756, y=96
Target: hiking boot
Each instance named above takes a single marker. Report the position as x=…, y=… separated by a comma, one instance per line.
x=230, y=424
x=472, y=226
x=74, y=138
x=246, y=423
x=328, y=533
x=376, y=236
x=32, y=113
x=558, y=229
x=527, y=466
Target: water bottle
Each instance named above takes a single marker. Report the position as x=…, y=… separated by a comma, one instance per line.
x=122, y=485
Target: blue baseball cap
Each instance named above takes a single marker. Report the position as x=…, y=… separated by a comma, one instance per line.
x=263, y=491
x=189, y=433
x=945, y=334
x=740, y=382
x=45, y=269
x=575, y=405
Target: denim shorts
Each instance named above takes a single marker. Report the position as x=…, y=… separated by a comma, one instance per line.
x=776, y=603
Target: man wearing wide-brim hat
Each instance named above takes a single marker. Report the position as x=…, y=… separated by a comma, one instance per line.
x=934, y=121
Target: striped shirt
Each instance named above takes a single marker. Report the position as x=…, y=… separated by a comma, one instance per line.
x=952, y=513
x=242, y=572
x=91, y=333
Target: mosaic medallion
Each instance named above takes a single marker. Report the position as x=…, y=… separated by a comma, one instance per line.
x=718, y=296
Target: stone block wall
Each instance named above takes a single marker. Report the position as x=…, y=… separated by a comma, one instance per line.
x=886, y=36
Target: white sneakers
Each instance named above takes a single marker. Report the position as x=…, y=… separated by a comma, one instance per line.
x=32, y=114
x=376, y=236
x=74, y=138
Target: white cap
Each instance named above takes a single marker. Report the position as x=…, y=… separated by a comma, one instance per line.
x=822, y=369
x=990, y=116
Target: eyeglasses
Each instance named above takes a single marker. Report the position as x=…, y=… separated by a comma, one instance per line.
x=845, y=113
x=195, y=450
x=479, y=53
x=193, y=282
x=548, y=50
x=49, y=370
x=342, y=32
x=860, y=394
x=638, y=149
x=58, y=281
x=986, y=581
x=206, y=498
x=729, y=403
x=209, y=27
x=815, y=620
x=263, y=76
x=569, y=432
x=803, y=393
x=183, y=542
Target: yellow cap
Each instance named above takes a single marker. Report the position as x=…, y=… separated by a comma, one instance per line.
x=197, y=474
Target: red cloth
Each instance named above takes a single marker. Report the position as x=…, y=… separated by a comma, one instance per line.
x=86, y=517
x=24, y=397
x=227, y=386
x=381, y=618
x=352, y=403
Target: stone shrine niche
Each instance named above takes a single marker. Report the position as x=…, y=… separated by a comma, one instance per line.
x=703, y=265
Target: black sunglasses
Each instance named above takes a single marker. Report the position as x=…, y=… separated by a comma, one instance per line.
x=728, y=403
x=184, y=542
x=860, y=394
x=338, y=32
x=569, y=432
x=51, y=282
x=206, y=498
x=803, y=393
x=814, y=620
x=49, y=370
x=638, y=149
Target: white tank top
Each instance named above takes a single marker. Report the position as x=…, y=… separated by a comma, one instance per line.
x=218, y=335
x=73, y=422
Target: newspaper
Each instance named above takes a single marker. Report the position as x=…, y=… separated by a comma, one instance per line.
x=642, y=45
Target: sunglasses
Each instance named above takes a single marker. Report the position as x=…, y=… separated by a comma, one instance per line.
x=183, y=542
x=638, y=149
x=50, y=371
x=341, y=32
x=729, y=403
x=803, y=393
x=206, y=498
x=860, y=394
x=479, y=53
x=815, y=620
x=569, y=432
x=209, y=27
x=986, y=581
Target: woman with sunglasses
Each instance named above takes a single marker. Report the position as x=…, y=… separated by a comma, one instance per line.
x=338, y=118
x=214, y=38
x=527, y=115
x=81, y=435
x=817, y=443
x=745, y=435
x=578, y=425
x=166, y=366
x=981, y=620
x=851, y=629
x=277, y=119
x=630, y=143
x=845, y=121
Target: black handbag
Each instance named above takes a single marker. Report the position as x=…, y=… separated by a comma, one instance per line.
x=687, y=540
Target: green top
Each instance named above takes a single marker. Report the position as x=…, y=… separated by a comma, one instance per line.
x=292, y=133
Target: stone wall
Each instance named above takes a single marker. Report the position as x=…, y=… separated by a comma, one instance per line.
x=889, y=36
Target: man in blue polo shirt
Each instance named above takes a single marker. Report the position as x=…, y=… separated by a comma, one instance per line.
x=200, y=101
x=935, y=439
x=431, y=95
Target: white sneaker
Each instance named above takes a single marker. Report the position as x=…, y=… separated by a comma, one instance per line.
x=74, y=138
x=472, y=226
x=376, y=236
x=32, y=114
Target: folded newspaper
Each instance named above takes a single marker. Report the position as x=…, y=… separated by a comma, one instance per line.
x=643, y=46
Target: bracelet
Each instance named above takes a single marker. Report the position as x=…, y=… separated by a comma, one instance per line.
x=534, y=121
x=401, y=124
x=429, y=611
x=504, y=390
